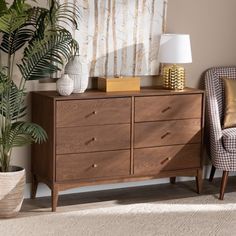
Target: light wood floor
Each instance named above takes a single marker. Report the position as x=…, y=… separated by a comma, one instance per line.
x=107, y=198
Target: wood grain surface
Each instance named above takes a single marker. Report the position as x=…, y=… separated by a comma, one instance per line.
x=150, y=134
x=154, y=160
x=98, y=138
x=168, y=107
x=93, y=112
x=90, y=139
x=92, y=165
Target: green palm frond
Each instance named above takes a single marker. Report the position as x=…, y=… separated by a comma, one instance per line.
x=67, y=13
x=45, y=56
x=27, y=28
x=20, y=6
x=11, y=21
x=27, y=129
x=3, y=7
x=17, y=39
x=11, y=99
x=15, y=17
x=37, y=19
x=13, y=104
x=21, y=133
x=4, y=81
x=54, y=17
x=48, y=45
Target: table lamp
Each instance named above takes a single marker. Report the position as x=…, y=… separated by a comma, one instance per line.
x=174, y=49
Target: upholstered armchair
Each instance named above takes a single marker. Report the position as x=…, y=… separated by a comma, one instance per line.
x=222, y=142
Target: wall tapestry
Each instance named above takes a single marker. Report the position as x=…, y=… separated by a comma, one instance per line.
x=120, y=37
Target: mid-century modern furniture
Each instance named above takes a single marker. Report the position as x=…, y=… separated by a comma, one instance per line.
x=222, y=141
x=97, y=137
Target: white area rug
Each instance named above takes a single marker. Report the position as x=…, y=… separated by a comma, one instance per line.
x=198, y=215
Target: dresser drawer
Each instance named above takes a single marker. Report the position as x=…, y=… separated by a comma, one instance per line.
x=93, y=112
x=150, y=134
x=149, y=161
x=168, y=107
x=92, y=165
x=92, y=138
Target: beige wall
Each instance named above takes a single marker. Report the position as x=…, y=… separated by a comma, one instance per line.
x=212, y=28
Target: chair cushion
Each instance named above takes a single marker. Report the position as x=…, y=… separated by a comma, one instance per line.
x=230, y=103
x=229, y=139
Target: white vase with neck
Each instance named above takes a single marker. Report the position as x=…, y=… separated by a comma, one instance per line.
x=77, y=69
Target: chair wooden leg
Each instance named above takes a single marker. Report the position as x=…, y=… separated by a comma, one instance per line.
x=172, y=180
x=213, y=170
x=223, y=184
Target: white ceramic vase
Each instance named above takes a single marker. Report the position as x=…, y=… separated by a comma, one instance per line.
x=65, y=85
x=77, y=69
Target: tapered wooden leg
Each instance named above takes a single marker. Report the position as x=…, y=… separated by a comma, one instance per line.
x=34, y=186
x=54, y=198
x=223, y=184
x=213, y=170
x=172, y=180
x=199, y=181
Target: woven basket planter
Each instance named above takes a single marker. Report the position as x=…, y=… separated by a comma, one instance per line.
x=11, y=191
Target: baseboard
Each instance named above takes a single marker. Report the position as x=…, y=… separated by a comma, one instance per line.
x=43, y=190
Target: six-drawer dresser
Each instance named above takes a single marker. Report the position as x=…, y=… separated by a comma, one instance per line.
x=99, y=137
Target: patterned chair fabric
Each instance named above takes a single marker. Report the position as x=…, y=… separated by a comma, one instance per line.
x=222, y=141
x=229, y=140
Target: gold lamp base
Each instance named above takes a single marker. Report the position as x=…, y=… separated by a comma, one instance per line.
x=174, y=77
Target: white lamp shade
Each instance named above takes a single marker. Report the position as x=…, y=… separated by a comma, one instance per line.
x=175, y=48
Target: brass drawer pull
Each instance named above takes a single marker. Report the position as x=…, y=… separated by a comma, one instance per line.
x=94, y=165
x=166, y=160
x=166, y=134
x=166, y=109
x=91, y=140
x=91, y=114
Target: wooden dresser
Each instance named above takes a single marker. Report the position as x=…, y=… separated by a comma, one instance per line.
x=97, y=137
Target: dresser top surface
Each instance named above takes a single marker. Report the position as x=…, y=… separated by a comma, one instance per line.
x=94, y=93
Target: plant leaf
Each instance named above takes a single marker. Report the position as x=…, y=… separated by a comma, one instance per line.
x=3, y=7
x=21, y=133
x=45, y=56
x=11, y=99
x=14, y=41
x=12, y=21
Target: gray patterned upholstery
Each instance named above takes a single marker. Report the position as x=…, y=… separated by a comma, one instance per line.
x=222, y=141
x=229, y=139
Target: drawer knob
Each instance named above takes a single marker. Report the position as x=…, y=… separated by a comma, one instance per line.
x=94, y=165
x=91, y=114
x=166, y=109
x=166, y=160
x=90, y=141
x=165, y=135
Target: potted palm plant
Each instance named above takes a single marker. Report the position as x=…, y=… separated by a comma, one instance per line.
x=36, y=33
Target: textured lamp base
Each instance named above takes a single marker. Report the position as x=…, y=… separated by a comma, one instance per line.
x=174, y=77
